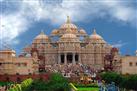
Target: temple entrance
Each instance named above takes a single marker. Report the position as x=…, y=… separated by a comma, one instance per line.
x=76, y=58
x=69, y=58
x=62, y=59
x=65, y=58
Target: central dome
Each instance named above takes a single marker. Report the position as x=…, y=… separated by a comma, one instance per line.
x=67, y=24
x=63, y=28
x=69, y=36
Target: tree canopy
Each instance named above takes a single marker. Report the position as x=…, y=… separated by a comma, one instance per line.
x=56, y=82
x=123, y=81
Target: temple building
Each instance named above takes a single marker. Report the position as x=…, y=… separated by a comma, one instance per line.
x=10, y=64
x=67, y=47
x=68, y=50
x=69, y=44
x=129, y=65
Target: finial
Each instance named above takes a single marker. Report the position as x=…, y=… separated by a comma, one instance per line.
x=68, y=19
x=68, y=29
x=42, y=32
x=94, y=31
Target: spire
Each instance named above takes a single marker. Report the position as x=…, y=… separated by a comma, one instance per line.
x=42, y=32
x=68, y=19
x=68, y=30
x=94, y=31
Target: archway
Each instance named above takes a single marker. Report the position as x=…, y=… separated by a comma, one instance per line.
x=62, y=59
x=69, y=58
x=76, y=58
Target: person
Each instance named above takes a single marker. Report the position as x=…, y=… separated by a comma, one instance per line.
x=112, y=87
x=2, y=88
x=103, y=87
x=99, y=83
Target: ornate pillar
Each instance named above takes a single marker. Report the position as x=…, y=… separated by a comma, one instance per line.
x=59, y=58
x=65, y=58
x=74, y=61
x=79, y=58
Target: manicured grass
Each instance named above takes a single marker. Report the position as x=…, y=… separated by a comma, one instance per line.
x=87, y=89
x=82, y=87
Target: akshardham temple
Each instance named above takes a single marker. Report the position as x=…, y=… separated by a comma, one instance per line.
x=68, y=50
x=69, y=45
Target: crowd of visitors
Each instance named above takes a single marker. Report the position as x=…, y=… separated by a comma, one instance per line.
x=71, y=70
x=3, y=88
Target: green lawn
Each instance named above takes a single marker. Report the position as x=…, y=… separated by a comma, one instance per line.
x=87, y=89
x=81, y=87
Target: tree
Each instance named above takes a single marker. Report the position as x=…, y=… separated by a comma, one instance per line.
x=56, y=82
x=127, y=82
x=132, y=82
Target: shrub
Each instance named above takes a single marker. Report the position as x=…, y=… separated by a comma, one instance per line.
x=56, y=82
x=128, y=82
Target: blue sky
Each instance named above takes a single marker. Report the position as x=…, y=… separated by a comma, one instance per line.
x=115, y=20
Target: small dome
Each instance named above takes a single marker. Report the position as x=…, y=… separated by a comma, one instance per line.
x=82, y=31
x=54, y=32
x=41, y=36
x=95, y=35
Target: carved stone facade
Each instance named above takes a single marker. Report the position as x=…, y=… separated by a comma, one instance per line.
x=12, y=65
x=69, y=45
x=129, y=65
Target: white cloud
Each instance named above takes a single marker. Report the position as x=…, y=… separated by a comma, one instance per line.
x=119, y=44
x=13, y=24
x=1, y=0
